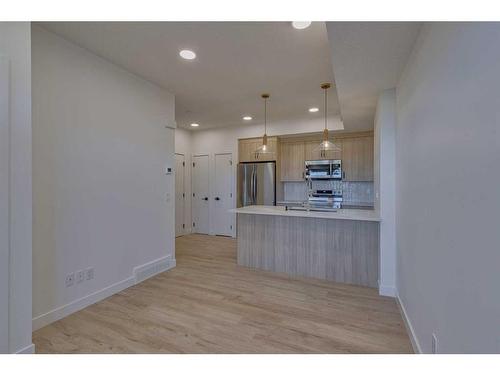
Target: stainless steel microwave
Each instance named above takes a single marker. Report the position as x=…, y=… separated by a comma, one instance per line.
x=323, y=169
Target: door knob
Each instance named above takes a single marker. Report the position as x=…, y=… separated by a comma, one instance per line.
x=205, y=199
x=217, y=198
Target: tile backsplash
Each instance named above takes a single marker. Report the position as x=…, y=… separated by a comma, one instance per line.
x=295, y=191
x=353, y=192
x=358, y=192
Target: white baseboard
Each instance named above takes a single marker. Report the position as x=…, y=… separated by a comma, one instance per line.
x=409, y=328
x=72, y=307
x=139, y=274
x=155, y=267
x=387, y=290
x=30, y=349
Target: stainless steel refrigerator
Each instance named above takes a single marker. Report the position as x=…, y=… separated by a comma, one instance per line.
x=257, y=184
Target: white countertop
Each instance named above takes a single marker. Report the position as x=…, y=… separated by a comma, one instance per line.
x=342, y=214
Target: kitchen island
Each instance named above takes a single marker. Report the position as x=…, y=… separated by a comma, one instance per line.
x=341, y=246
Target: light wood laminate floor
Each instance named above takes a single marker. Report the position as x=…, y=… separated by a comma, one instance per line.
x=209, y=304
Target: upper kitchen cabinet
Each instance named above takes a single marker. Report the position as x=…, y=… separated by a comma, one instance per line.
x=354, y=149
x=357, y=158
x=311, y=152
x=292, y=159
x=247, y=149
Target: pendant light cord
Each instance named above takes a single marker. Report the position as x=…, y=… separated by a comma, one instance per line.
x=326, y=106
x=264, y=139
x=265, y=115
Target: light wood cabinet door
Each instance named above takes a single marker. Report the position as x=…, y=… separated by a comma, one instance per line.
x=357, y=159
x=292, y=161
x=247, y=149
x=309, y=153
x=312, y=154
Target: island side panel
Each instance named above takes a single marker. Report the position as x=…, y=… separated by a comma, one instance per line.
x=245, y=228
x=337, y=250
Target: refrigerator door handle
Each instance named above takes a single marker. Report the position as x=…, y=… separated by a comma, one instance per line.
x=254, y=185
x=251, y=186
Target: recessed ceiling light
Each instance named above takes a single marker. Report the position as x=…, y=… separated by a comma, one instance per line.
x=313, y=109
x=195, y=125
x=247, y=118
x=187, y=54
x=301, y=24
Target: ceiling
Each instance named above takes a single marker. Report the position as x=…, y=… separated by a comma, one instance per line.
x=367, y=57
x=236, y=62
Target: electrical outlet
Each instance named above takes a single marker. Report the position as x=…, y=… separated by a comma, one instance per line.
x=70, y=279
x=434, y=344
x=80, y=276
x=89, y=273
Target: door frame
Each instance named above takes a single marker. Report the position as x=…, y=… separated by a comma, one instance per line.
x=15, y=196
x=184, y=230
x=233, y=192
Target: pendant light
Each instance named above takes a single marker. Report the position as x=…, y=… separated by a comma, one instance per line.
x=325, y=145
x=264, y=149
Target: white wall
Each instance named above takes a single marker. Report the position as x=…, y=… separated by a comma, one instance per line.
x=385, y=186
x=183, y=146
x=101, y=195
x=15, y=189
x=4, y=201
x=448, y=158
x=226, y=139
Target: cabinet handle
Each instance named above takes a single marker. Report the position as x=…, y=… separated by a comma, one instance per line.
x=343, y=175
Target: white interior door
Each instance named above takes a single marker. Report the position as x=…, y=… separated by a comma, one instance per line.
x=223, y=187
x=180, y=195
x=200, y=196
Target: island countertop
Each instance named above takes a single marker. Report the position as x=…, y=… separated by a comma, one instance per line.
x=340, y=214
